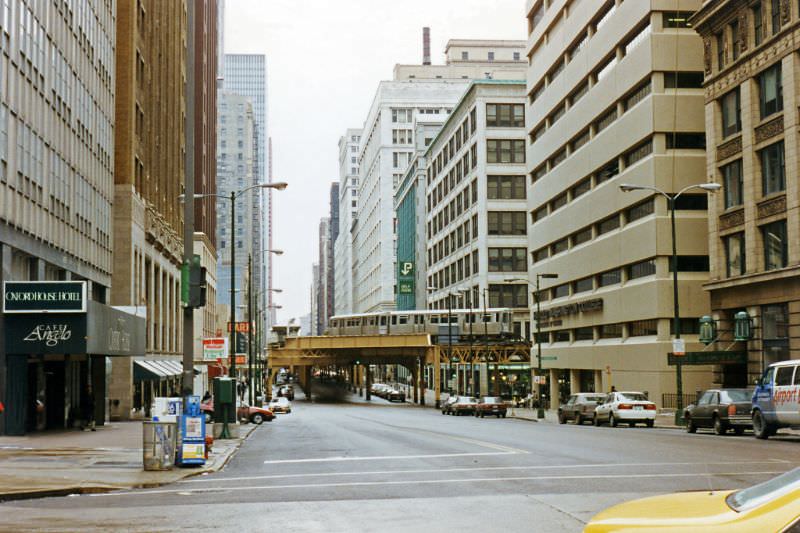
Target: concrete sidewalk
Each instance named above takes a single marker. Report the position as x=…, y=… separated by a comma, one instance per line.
x=71, y=462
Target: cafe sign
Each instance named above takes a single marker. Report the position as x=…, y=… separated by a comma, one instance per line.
x=44, y=297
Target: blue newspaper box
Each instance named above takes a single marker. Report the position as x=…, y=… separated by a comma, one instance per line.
x=191, y=448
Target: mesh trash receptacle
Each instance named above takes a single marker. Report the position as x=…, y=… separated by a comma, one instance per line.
x=158, y=445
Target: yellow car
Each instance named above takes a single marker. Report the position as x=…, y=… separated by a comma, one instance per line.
x=772, y=506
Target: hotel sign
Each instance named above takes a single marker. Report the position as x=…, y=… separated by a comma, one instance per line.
x=595, y=304
x=44, y=297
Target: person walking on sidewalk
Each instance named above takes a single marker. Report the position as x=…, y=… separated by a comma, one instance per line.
x=87, y=406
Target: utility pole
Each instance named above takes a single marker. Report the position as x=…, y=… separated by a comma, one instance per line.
x=187, y=382
x=250, y=326
x=233, y=292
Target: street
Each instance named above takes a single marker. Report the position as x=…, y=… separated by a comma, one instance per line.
x=371, y=467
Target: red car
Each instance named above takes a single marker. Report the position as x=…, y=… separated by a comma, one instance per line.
x=256, y=415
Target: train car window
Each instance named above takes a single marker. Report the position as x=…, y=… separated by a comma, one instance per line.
x=403, y=319
x=394, y=320
x=434, y=319
x=487, y=318
x=383, y=321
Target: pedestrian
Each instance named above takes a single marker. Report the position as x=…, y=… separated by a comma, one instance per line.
x=206, y=397
x=87, y=406
x=613, y=388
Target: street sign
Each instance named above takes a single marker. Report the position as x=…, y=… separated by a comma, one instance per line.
x=44, y=297
x=405, y=287
x=241, y=327
x=708, y=358
x=406, y=268
x=678, y=347
x=215, y=348
x=540, y=380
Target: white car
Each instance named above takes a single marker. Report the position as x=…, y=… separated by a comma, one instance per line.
x=280, y=405
x=625, y=407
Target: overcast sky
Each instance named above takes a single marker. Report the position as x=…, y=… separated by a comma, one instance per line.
x=324, y=61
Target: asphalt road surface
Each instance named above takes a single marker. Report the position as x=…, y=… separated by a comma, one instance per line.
x=380, y=467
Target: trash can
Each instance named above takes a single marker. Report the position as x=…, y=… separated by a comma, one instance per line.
x=158, y=445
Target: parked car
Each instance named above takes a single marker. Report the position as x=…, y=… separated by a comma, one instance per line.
x=394, y=395
x=625, y=407
x=280, y=405
x=461, y=405
x=448, y=404
x=253, y=414
x=721, y=410
x=491, y=405
x=379, y=389
x=286, y=391
x=773, y=505
x=775, y=402
x=579, y=407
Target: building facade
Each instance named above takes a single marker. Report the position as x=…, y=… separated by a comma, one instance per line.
x=149, y=164
x=246, y=75
x=56, y=190
x=324, y=290
x=751, y=109
x=330, y=283
x=348, y=207
x=620, y=103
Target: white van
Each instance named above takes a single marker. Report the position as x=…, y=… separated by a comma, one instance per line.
x=776, y=400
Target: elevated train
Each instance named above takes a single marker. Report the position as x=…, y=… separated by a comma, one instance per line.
x=495, y=323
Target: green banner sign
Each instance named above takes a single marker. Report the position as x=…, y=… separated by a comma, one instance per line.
x=708, y=358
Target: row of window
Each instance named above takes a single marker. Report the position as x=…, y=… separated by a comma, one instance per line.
x=461, y=203
x=766, y=17
x=776, y=249
x=619, y=330
x=462, y=268
x=770, y=100
x=773, y=175
x=449, y=149
x=457, y=238
x=449, y=181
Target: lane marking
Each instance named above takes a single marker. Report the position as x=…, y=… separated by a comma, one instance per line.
x=381, y=457
x=471, y=469
x=427, y=482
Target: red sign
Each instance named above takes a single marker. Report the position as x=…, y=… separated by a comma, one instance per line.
x=241, y=327
x=240, y=360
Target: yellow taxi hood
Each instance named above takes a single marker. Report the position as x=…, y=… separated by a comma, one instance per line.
x=666, y=511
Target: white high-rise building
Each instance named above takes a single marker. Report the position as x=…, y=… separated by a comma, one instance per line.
x=348, y=205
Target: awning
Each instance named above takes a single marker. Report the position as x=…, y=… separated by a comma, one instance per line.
x=155, y=370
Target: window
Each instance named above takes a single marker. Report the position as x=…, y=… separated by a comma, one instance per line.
x=607, y=171
x=640, y=152
x=637, y=39
x=505, y=187
x=686, y=141
x=561, y=245
x=583, y=334
x=776, y=16
x=609, y=224
x=401, y=115
x=731, y=113
x=640, y=210
x=508, y=295
x=561, y=336
x=772, y=169
x=758, y=24
x=720, y=38
x=775, y=246
x=734, y=255
x=508, y=260
x=683, y=80
x=770, y=91
x=692, y=202
x=505, y=115
x=606, y=120
x=581, y=188
x=641, y=269
x=690, y=326
x=560, y=156
x=642, y=328
x=580, y=140
x=491, y=56
x=736, y=42
x=583, y=285
x=732, y=183
x=558, y=202
x=516, y=56
x=561, y=291
x=612, y=277
x=539, y=214
x=610, y=331
x=507, y=223
x=676, y=19
x=465, y=56
x=582, y=236
x=540, y=255
x=505, y=151
x=638, y=95
x=582, y=89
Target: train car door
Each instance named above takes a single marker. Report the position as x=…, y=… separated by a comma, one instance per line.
x=383, y=325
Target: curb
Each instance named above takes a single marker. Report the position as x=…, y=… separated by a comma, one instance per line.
x=68, y=491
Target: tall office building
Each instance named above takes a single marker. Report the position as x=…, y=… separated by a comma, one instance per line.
x=236, y=170
x=333, y=234
x=348, y=206
x=387, y=147
x=246, y=75
x=149, y=165
x=324, y=268
x=751, y=116
x=615, y=97
x=56, y=194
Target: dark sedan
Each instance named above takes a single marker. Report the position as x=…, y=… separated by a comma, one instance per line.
x=460, y=405
x=492, y=406
x=579, y=407
x=721, y=410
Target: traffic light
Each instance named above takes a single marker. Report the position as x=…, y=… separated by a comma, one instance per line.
x=197, y=283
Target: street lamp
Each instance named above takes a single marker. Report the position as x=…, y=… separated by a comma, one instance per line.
x=235, y=194
x=537, y=299
x=671, y=199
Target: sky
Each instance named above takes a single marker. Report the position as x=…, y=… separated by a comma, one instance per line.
x=324, y=61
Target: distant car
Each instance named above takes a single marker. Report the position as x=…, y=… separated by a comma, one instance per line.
x=280, y=405
x=461, y=405
x=448, y=403
x=770, y=506
x=492, y=406
x=394, y=395
x=579, y=407
x=256, y=415
x=721, y=410
x=286, y=391
x=625, y=407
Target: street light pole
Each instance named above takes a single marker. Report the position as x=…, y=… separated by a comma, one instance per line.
x=671, y=199
x=232, y=352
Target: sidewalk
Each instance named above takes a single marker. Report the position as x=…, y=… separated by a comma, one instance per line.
x=68, y=462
